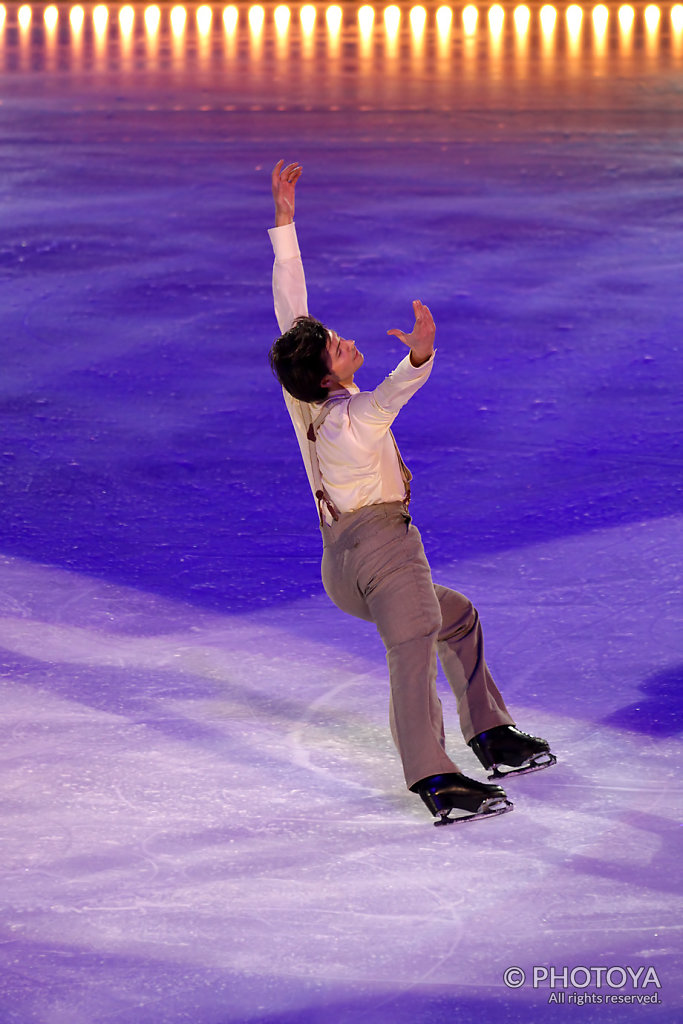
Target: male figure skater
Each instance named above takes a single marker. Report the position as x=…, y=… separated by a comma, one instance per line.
x=374, y=566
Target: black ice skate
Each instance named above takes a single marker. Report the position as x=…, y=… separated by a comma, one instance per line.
x=508, y=751
x=465, y=797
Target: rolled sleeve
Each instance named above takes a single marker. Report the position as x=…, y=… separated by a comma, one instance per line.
x=371, y=413
x=285, y=243
x=289, y=283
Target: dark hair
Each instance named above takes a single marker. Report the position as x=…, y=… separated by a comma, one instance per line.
x=298, y=359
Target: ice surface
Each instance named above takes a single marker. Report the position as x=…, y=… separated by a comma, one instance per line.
x=203, y=814
x=212, y=803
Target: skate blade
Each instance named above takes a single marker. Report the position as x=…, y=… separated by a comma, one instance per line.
x=489, y=809
x=546, y=760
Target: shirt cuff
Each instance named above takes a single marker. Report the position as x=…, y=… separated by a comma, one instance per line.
x=284, y=242
x=406, y=371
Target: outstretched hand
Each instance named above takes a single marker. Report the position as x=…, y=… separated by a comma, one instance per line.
x=420, y=341
x=284, y=183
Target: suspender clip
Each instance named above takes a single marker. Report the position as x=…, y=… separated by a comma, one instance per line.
x=320, y=495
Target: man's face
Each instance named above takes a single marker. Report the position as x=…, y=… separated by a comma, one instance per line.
x=343, y=359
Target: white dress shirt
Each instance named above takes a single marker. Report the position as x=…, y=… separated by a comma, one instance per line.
x=357, y=456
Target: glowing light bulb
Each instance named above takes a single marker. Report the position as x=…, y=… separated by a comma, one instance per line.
x=178, y=20
x=392, y=19
x=496, y=18
x=126, y=19
x=600, y=18
x=522, y=16
x=548, y=18
x=152, y=19
x=100, y=17
x=256, y=16
x=24, y=16
x=366, y=17
x=444, y=20
x=307, y=17
x=418, y=18
x=333, y=16
x=51, y=17
x=626, y=17
x=204, y=18
x=281, y=16
x=574, y=20
x=652, y=15
x=230, y=18
x=3, y=15
x=469, y=19
x=677, y=17
x=77, y=17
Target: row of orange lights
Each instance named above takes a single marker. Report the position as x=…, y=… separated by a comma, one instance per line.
x=333, y=16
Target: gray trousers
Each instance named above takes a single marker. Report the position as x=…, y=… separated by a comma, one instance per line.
x=374, y=567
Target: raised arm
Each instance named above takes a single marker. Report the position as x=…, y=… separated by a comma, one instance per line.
x=289, y=283
x=374, y=411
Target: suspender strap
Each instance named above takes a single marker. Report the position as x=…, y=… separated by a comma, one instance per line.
x=312, y=429
x=405, y=472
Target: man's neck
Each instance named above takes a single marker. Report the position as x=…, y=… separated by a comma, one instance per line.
x=340, y=385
